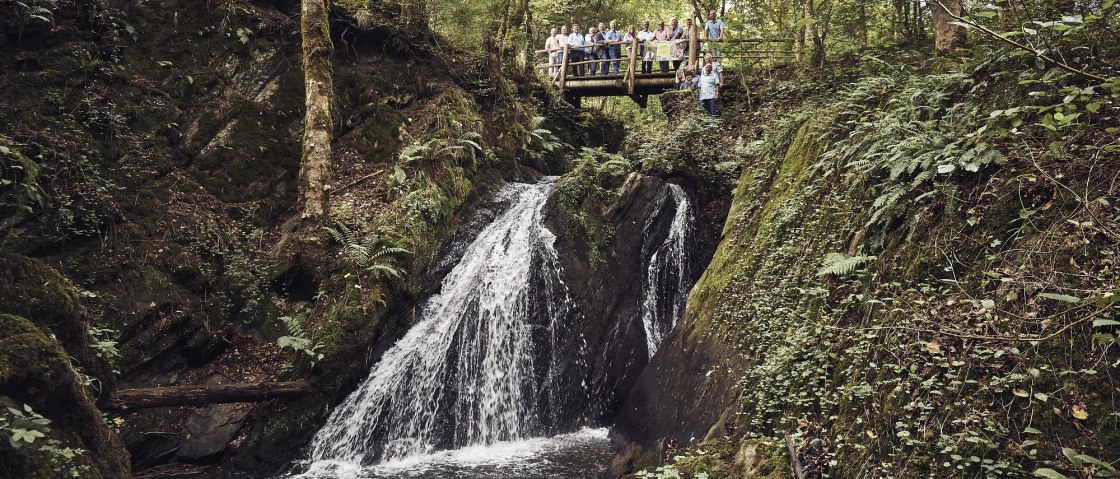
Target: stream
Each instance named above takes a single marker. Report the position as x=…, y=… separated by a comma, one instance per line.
x=474, y=389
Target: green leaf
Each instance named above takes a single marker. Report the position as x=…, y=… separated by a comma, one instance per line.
x=1049, y=473
x=984, y=14
x=1072, y=456
x=1100, y=323
x=1031, y=430
x=1065, y=298
x=988, y=304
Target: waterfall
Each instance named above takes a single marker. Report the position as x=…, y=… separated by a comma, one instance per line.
x=668, y=278
x=476, y=368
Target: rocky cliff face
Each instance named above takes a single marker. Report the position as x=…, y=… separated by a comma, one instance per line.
x=880, y=294
x=46, y=367
x=164, y=139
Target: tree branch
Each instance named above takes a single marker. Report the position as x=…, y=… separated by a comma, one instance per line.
x=1021, y=46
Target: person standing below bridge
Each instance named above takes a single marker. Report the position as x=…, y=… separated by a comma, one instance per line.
x=709, y=89
x=614, y=49
x=713, y=30
x=551, y=45
x=661, y=35
x=646, y=51
x=576, y=41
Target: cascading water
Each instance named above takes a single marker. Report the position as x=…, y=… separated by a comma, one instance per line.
x=668, y=278
x=477, y=367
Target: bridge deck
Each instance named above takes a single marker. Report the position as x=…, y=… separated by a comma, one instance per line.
x=631, y=83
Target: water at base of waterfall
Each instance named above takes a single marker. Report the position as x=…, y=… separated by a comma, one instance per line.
x=583, y=454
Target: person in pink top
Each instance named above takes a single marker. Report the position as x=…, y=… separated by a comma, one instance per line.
x=661, y=34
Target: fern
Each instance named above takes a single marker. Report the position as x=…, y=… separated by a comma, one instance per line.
x=840, y=264
x=374, y=253
x=297, y=339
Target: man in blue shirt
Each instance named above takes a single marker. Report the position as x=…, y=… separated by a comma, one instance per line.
x=713, y=29
x=576, y=41
x=614, y=49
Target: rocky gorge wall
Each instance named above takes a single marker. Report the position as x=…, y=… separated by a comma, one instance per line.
x=901, y=296
x=155, y=150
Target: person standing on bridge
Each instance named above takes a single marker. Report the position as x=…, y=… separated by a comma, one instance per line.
x=551, y=45
x=614, y=49
x=645, y=39
x=561, y=42
x=676, y=36
x=576, y=41
x=709, y=89
x=661, y=35
x=713, y=30
x=689, y=32
x=591, y=53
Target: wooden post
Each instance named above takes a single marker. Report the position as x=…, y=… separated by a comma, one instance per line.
x=564, y=68
x=630, y=72
x=694, y=45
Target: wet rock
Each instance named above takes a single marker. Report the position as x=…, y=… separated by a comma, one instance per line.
x=209, y=430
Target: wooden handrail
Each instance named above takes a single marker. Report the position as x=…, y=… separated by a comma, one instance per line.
x=564, y=67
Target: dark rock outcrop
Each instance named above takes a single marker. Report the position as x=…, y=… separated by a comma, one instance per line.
x=41, y=327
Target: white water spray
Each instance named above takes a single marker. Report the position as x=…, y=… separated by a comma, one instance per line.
x=668, y=278
x=466, y=373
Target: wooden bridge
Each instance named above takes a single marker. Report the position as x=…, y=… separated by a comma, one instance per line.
x=638, y=86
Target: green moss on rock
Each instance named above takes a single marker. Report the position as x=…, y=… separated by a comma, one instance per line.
x=34, y=370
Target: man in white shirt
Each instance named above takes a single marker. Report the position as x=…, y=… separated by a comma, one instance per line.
x=647, y=56
x=709, y=89
x=576, y=41
x=561, y=42
x=551, y=45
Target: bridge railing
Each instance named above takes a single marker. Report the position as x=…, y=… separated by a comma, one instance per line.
x=738, y=53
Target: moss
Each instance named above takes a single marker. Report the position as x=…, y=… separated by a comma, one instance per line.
x=31, y=289
x=875, y=357
x=34, y=370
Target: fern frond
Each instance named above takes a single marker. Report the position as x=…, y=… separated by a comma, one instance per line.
x=840, y=264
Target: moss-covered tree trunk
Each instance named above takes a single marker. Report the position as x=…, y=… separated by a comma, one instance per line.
x=315, y=166
x=947, y=36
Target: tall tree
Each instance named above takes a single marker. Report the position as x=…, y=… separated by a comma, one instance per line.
x=315, y=165
x=947, y=34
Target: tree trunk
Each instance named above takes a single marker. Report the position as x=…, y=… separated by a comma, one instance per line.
x=813, y=36
x=947, y=37
x=862, y=25
x=173, y=396
x=315, y=166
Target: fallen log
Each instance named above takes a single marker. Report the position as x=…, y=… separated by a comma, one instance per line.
x=172, y=396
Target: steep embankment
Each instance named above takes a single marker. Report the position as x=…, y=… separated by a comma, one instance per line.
x=907, y=287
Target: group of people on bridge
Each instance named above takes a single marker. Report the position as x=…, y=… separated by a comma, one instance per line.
x=599, y=51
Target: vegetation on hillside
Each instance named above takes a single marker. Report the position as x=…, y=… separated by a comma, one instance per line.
x=917, y=270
